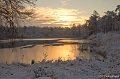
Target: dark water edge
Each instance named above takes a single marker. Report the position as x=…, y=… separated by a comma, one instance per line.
x=34, y=42
x=19, y=43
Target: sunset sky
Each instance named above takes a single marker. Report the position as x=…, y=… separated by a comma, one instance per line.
x=66, y=12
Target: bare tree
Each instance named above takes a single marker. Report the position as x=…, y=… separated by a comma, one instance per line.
x=11, y=11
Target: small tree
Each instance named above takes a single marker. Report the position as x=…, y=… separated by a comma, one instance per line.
x=118, y=11
x=92, y=22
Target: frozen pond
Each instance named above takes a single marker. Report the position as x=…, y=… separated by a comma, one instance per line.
x=26, y=50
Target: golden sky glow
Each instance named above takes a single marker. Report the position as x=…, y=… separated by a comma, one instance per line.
x=67, y=12
x=57, y=17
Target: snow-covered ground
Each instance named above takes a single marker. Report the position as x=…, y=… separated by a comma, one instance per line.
x=107, y=45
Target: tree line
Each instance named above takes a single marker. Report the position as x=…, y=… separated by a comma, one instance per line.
x=108, y=22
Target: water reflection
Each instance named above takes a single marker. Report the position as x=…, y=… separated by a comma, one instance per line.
x=40, y=52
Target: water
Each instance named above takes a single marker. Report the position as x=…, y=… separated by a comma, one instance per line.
x=64, y=48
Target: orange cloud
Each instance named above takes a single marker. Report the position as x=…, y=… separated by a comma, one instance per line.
x=57, y=16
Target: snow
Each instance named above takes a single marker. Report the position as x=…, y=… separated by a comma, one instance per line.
x=43, y=78
x=94, y=68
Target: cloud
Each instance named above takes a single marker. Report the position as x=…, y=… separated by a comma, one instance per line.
x=65, y=2
x=57, y=16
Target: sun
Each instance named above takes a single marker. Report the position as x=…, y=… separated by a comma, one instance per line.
x=64, y=15
x=65, y=18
